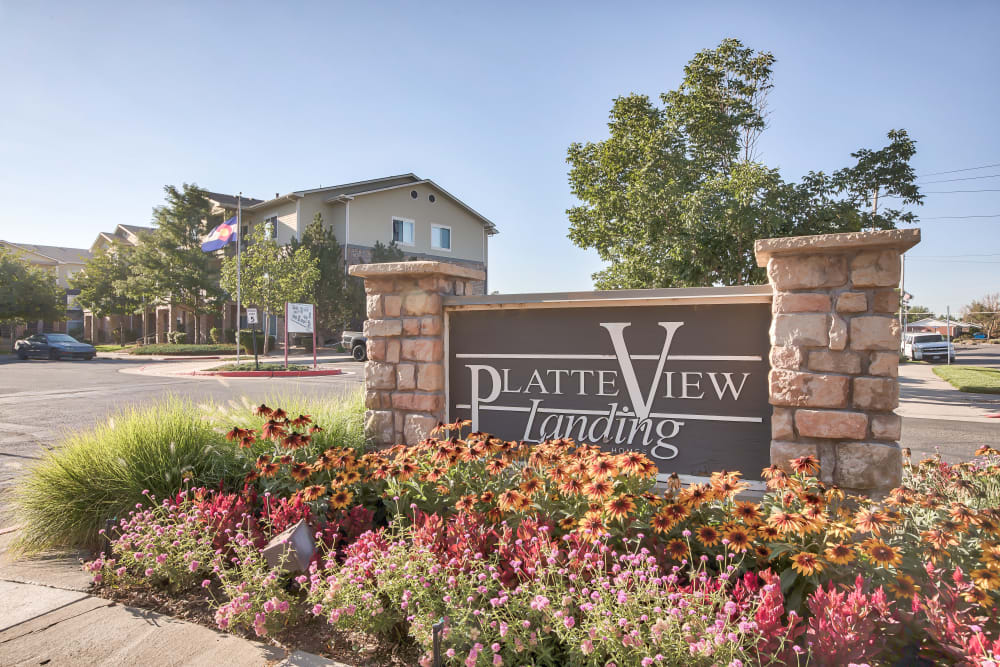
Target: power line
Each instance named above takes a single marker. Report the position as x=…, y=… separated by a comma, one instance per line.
x=960, y=217
x=948, y=192
x=955, y=171
x=967, y=178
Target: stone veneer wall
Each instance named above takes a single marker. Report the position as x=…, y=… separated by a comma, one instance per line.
x=835, y=342
x=405, y=371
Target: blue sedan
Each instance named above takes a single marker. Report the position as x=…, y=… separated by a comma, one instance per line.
x=53, y=346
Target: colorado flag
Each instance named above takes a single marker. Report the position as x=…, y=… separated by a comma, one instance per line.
x=220, y=236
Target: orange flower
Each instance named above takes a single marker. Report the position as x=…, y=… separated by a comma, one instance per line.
x=904, y=586
x=939, y=538
x=694, y=495
x=708, y=535
x=620, y=507
x=839, y=554
x=661, y=523
x=313, y=492
x=739, y=539
x=768, y=533
x=676, y=511
x=300, y=471
x=495, y=466
x=341, y=499
x=677, y=549
x=806, y=563
x=867, y=521
x=605, y=466
x=466, y=503
x=591, y=525
x=599, y=489
x=510, y=500
x=985, y=578
x=882, y=554
x=747, y=512
x=567, y=523
x=785, y=522
x=571, y=486
x=805, y=465
x=530, y=487
x=269, y=469
x=633, y=463
x=978, y=596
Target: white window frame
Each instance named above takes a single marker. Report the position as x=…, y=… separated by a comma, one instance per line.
x=450, y=240
x=392, y=230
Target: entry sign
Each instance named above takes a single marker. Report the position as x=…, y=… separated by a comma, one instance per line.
x=251, y=316
x=685, y=385
x=300, y=318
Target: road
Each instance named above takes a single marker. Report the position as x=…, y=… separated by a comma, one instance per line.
x=42, y=400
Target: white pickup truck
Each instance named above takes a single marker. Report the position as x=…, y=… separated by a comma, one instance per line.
x=927, y=347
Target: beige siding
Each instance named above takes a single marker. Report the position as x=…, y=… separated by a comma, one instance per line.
x=333, y=214
x=287, y=221
x=371, y=221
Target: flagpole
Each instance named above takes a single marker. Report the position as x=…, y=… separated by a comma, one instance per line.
x=239, y=233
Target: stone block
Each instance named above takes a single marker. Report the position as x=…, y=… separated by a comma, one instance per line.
x=430, y=377
x=379, y=426
x=803, y=329
x=790, y=358
x=887, y=427
x=852, y=302
x=422, y=349
x=798, y=302
x=428, y=284
x=875, y=268
x=422, y=303
x=382, y=328
x=418, y=427
x=292, y=549
x=374, y=306
x=379, y=286
x=838, y=333
x=868, y=466
x=392, y=305
x=411, y=326
x=831, y=424
x=377, y=400
x=379, y=375
x=376, y=349
x=829, y=361
x=782, y=424
x=392, y=350
x=459, y=288
x=885, y=301
x=881, y=394
x=884, y=363
x=874, y=332
x=782, y=452
x=406, y=376
x=813, y=390
x=432, y=403
x=431, y=326
x=445, y=286
x=807, y=271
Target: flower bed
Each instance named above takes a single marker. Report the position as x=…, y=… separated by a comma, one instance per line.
x=560, y=554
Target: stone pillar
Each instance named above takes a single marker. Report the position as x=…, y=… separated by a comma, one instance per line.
x=405, y=372
x=835, y=341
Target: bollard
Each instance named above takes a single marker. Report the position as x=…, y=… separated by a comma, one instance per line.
x=437, y=629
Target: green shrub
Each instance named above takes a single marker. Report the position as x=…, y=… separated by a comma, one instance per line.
x=177, y=337
x=214, y=335
x=101, y=473
x=246, y=341
x=183, y=350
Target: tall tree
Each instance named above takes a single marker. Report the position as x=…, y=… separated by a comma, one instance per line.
x=330, y=294
x=27, y=293
x=914, y=313
x=986, y=313
x=677, y=194
x=271, y=275
x=103, y=284
x=169, y=262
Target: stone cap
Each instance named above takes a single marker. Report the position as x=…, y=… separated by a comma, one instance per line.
x=416, y=269
x=899, y=239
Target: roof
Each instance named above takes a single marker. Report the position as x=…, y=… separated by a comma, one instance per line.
x=57, y=253
x=371, y=186
x=935, y=322
x=229, y=201
x=136, y=229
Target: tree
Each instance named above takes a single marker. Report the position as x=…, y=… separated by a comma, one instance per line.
x=103, y=284
x=331, y=292
x=271, y=275
x=986, y=313
x=387, y=253
x=676, y=195
x=914, y=313
x=27, y=293
x=169, y=263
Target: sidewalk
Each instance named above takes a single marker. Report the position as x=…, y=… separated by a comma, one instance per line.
x=187, y=368
x=923, y=395
x=49, y=618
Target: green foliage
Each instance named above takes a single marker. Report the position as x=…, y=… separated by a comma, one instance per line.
x=215, y=335
x=387, y=253
x=169, y=265
x=677, y=195
x=250, y=366
x=972, y=379
x=247, y=339
x=27, y=292
x=986, y=313
x=103, y=284
x=332, y=294
x=188, y=349
x=176, y=337
x=914, y=313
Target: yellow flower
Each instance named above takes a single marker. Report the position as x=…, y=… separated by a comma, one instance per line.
x=986, y=578
x=839, y=554
x=677, y=549
x=904, y=586
x=739, y=539
x=341, y=499
x=708, y=536
x=806, y=563
x=882, y=554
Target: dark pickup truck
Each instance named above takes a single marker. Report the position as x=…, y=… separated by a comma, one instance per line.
x=356, y=342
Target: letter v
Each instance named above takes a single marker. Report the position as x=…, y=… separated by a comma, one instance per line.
x=642, y=405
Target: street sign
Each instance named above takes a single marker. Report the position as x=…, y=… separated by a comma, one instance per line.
x=251, y=316
x=300, y=318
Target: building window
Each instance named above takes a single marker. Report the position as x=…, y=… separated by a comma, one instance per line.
x=440, y=237
x=270, y=226
x=402, y=231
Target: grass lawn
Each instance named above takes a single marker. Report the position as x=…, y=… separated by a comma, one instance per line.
x=110, y=348
x=263, y=367
x=184, y=349
x=973, y=379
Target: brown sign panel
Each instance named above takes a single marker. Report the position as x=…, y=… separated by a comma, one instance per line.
x=684, y=384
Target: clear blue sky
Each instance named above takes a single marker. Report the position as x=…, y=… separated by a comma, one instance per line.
x=104, y=103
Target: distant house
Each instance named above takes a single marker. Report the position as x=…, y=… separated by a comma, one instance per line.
x=63, y=263
x=935, y=325
x=426, y=222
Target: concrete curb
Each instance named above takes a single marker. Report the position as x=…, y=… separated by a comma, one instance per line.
x=266, y=374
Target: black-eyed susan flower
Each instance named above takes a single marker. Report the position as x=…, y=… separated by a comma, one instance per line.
x=341, y=498
x=620, y=507
x=598, y=489
x=882, y=554
x=739, y=539
x=986, y=578
x=677, y=549
x=313, y=492
x=806, y=563
x=708, y=535
x=839, y=554
x=903, y=586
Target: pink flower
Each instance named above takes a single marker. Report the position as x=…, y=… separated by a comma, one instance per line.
x=149, y=572
x=206, y=583
x=194, y=565
x=587, y=647
x=317, y=610
x=569, y=622
x=497, y=660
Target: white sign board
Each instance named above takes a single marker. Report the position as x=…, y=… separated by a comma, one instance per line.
x=251, y=316
x=300, y=318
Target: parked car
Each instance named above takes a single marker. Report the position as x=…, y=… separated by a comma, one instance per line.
x=53, y=346
x=927, y=347
x=356, y=342
x=979, y=336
